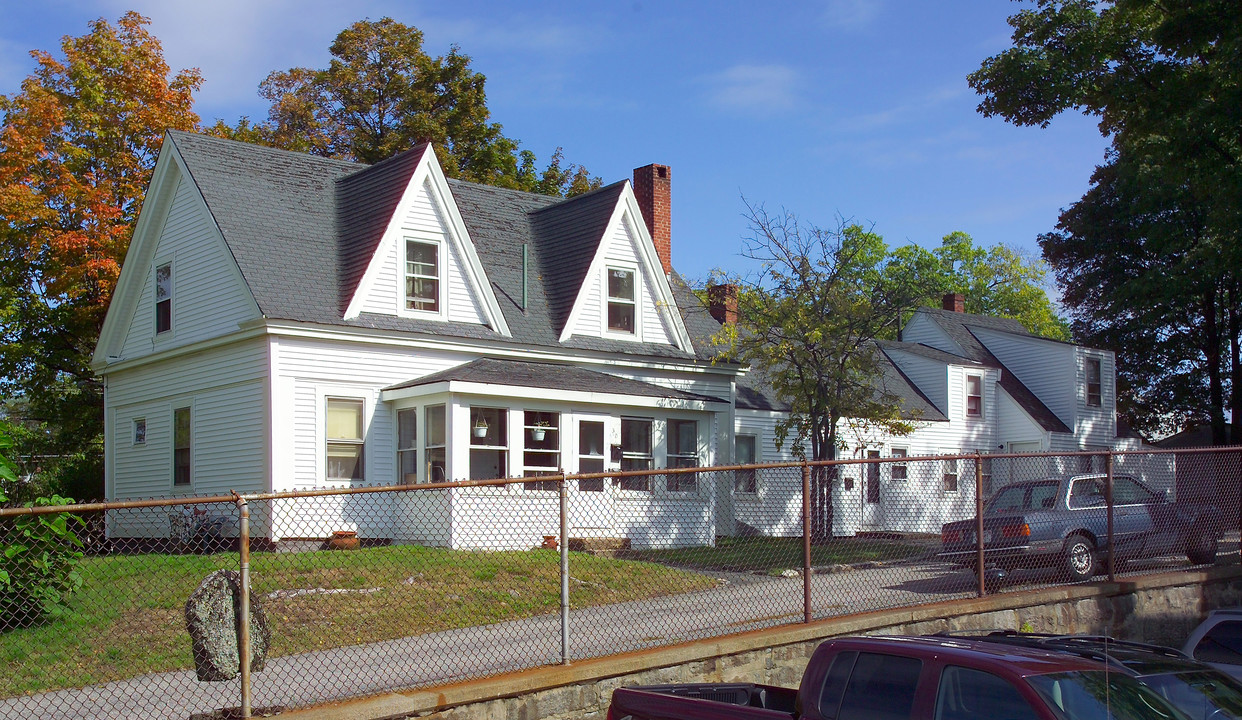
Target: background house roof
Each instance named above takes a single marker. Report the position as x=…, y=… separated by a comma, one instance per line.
x=550, y=376
x=303, y=229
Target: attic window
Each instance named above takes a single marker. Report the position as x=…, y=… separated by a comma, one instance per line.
x=621, y=300
x=1094, y=383
x=163, y=298
x=422, y=276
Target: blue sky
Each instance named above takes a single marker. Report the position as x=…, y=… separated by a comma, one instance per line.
x=850, y=107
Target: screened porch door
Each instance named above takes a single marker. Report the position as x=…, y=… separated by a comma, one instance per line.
x=591, y=501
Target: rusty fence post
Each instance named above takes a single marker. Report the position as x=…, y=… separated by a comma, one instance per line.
x=806, y=542
x=979, y=566
x=1108, y=501
x=564, y=570
x=243, y=623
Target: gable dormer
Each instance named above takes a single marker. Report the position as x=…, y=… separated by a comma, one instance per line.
x=624, y=294
x=403, y=237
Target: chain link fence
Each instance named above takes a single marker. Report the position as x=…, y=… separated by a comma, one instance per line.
x=369, y=590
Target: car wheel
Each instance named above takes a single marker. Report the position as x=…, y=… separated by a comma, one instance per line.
x=1079, y=558
x=1201, y=550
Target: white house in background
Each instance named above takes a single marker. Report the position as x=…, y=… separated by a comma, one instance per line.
x=289, y=322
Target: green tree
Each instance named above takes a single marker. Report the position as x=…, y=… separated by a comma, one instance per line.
x=1165, y=81
x=808, y=324
x=77, y=146
x=998, y=281
x=382, y=94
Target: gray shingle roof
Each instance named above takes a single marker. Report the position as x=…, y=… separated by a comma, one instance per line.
x=550, y=376
x=957, y=326
x=303, y=228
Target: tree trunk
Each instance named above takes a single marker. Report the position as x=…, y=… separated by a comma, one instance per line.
x=823, y=478
x=1235, y=363
x=1211, y=352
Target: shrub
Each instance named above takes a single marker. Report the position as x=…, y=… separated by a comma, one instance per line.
x=38, y=565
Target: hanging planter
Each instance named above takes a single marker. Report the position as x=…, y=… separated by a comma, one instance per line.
x=480, y=428
x=537, y=434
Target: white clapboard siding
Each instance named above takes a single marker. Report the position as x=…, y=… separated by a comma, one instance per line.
x=929, y=376
x=620, y=247
x=209, y=299
x=1095, y=426
x=225, y=391
x=387, y=291
x=922, y=329
x=1014, y=424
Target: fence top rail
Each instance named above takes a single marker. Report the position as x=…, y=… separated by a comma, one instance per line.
x=234, y=497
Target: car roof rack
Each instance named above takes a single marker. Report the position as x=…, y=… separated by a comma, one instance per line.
x=1094, y=646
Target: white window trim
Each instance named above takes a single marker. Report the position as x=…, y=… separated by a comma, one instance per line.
x=442, y=251
x=653, y=454
x=343, y=392
x=902, y=464
x=396, y=443
x=966, y=397
x=522, y=467
x=698, y=453
x=1086, y=381
x=957, y=471
x=637, y=335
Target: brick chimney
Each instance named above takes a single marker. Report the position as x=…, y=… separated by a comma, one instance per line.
x=954, y=302
x=722, y=303
x=652, y=187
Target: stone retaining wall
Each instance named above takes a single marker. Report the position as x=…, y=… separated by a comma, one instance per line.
x=1160, y=608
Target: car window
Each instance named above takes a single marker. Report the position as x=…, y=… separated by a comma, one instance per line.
x=1087, y=492
x=1221, y=644
x=834, y=684
x=1102, y=695
x=1024, y=497
x=1201, y=694
x=1127, y=491
x=881, y=687
x=966, y=694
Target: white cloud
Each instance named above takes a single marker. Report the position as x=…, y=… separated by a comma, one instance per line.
x=754, y=88
x=851, y=14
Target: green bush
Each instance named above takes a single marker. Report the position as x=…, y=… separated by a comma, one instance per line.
x=38, y=565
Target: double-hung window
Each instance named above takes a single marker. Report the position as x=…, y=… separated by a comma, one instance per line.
x=344, y=440
x=1095, y=392
x=744, y=450
x=622, y=300
x=541, y=452
x=433, y=441
x=407, y=446
x=636, y=452
x=422, y=276
x=683, y=452
x=163, y=298
x=948, y=471
x=182, y=447
x=974, y=396
x=489, y=443
x=898, y=470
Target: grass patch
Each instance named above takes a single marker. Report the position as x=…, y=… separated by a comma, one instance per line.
x=128, y=619
x=772, y=555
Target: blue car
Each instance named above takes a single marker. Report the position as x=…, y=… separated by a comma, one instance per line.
x=1062, y=522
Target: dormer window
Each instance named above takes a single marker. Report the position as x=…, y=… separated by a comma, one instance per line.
x=422, y=276
x=622, y=300
x=1095, y=386
x=974, y=396
x=163, y=298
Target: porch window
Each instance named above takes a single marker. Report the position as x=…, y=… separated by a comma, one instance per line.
x=541, y=454
x=974, y=396
x=489, y=436
x=163, y=298
x=744, y=451
x=344, y=442
x=621, y=300
x=182, y=443
x=433, y=441
x=591, y=454
x=948, y=471
x=683, y=452
x=1095, y=394
x=422, y=276
x=898, y=470
x=636, y=452
x=407, y=446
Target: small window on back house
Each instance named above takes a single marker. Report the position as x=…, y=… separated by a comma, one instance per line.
x=974, y=396
x=182, y=430
x=163, y=298
x=621, y=300
x=1094, y=383
x=949, y=472
x=744, y=451
x=898, y=469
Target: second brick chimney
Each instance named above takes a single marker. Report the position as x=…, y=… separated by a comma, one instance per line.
x=722, y=303
x=652, y=187
x=954, y=302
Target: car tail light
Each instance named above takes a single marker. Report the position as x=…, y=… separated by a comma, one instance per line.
x=1013, y=531
x=950, y=536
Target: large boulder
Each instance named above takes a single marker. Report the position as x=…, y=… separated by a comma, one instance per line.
x=211, y=615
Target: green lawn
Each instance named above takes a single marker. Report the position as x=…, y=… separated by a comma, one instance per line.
x=772, y=555
x=128, y=618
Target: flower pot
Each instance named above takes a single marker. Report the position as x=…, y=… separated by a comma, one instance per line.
x=344, y=540
x=480, y=431
x=549, y=542
x=537, y=434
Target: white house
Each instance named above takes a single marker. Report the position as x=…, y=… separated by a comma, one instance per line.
x=286, y=322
